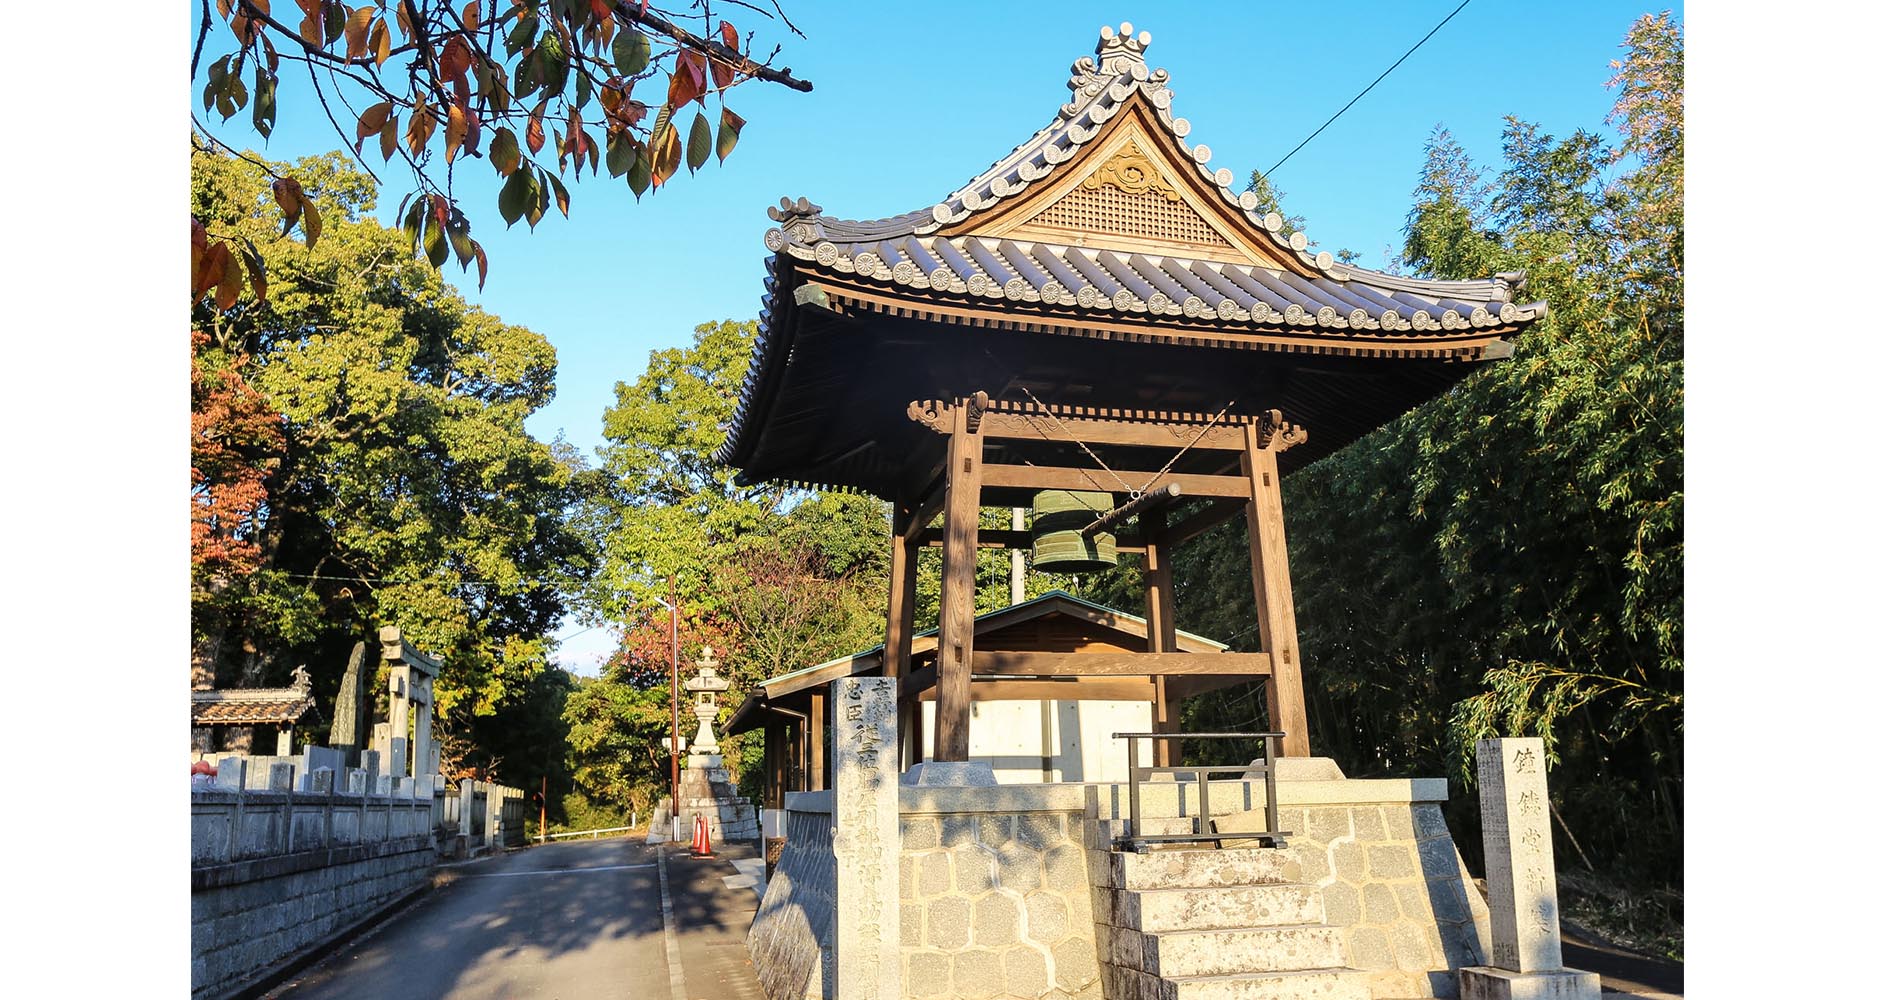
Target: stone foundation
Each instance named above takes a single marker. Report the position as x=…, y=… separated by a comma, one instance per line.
x=706, y=790
x=995, y=900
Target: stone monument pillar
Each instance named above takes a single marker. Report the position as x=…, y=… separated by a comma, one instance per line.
x=1521, y=876
x=705, y=785
x=865, y=839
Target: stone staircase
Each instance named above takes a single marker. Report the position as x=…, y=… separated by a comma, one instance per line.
x=1200, y=923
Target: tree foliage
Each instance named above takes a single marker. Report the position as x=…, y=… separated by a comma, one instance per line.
x=406, y=489
x=540, y=89
x=772, y=579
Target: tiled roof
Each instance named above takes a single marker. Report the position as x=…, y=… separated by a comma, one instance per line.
x=254, y=706
x=902, y=250
x=1111, y=281
x=278, y=711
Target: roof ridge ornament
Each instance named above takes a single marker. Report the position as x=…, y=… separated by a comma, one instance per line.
x=1124, y=44
x=798, y=223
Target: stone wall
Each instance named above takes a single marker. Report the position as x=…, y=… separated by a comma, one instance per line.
x=994, y=895
x=994, y=899
x=1391, y=878
x=790, y=939
x=277, y=873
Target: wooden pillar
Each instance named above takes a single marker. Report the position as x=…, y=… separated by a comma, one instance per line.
x=1158, y=576
x=900, y=623
x=774, y=763
x=815, y=742
x=1272, y=583
x=956, y=630
x=903, y=596
x=915, y=712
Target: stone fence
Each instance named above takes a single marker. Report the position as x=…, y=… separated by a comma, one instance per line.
x=279, y=871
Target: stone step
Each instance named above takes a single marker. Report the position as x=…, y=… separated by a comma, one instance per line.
x=1173, y=954
x=1193, y=869
x=1216, y=908
x=1314, y=984
x=1103, y=833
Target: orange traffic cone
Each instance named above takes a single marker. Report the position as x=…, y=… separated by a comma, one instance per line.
x=702, y=838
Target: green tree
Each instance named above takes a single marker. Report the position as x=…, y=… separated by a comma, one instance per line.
x=409, y=491
x=773, y=579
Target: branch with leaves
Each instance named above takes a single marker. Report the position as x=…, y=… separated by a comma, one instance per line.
x=539, y=88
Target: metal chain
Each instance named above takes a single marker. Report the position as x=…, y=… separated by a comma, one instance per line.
x=1091, y=452
x=1187, y=447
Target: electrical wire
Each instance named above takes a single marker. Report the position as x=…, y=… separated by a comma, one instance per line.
x=1388, y=70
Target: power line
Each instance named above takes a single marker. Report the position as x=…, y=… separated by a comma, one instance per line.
x=451, y=583
x=1369, y=86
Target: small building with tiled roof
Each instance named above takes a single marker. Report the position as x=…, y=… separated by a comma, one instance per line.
x=243, y=709
x=1028, y=727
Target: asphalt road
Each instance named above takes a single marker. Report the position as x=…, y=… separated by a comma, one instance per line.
x=570, y=921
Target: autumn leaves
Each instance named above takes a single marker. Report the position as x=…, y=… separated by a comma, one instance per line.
x=522, y=79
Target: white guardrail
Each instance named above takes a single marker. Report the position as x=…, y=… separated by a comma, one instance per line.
x=590, y=834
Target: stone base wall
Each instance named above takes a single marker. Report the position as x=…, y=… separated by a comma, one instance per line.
x=278, y=874
x=708, y=792
x=994, y=895
x=790, y=939
x=995, y=904
x=1391, y=878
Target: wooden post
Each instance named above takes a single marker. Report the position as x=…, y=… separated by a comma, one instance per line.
x=903, y=597
x=815, y=743
x=956, y=630
x=774, y=764
x=1272, y=583
x=1158, y=575
x=900, y=623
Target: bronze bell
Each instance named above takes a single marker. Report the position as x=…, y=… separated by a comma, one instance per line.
x=1057, y=543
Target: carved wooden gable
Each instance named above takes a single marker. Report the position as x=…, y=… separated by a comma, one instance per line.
x=1128, y=193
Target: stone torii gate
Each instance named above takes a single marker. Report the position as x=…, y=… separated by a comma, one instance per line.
x=412, y=677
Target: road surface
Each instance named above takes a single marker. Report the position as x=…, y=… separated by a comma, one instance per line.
x=572, y=921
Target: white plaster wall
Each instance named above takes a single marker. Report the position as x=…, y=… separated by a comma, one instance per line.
x=1026, y=742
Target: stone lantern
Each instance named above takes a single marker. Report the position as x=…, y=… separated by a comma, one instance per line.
x=706, y=686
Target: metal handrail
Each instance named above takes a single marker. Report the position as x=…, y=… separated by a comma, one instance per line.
x=1270, y=836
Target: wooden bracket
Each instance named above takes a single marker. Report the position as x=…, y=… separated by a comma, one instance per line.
x=973, y=411
x=1278, y=435
x=932, y=413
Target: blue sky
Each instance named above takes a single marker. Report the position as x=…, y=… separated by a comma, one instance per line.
x=906, y=107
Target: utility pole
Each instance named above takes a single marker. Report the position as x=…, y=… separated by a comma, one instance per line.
x=672, y=605
x=544, y=809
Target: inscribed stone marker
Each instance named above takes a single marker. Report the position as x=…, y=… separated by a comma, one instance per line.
x=864, y=812
x=1519, y=868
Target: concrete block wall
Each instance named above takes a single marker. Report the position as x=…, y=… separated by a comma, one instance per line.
x=277, y=873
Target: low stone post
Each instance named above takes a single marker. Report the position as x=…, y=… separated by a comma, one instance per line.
x=1521, y=876
x=465, y=823
x=864, y=812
